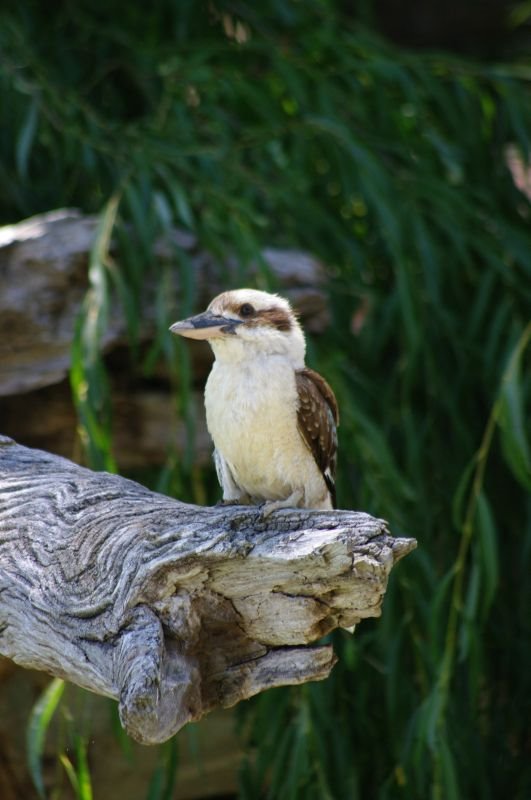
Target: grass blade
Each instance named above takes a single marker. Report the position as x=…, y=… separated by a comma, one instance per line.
x=39, y=721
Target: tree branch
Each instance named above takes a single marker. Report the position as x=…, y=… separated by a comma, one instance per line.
x=170, y=608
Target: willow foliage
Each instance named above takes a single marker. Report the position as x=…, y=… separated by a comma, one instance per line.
x=289, y=124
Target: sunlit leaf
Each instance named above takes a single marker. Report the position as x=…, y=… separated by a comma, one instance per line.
x=38, y=724
x=70, y=772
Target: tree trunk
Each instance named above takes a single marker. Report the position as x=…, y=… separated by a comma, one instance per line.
x=170, y=608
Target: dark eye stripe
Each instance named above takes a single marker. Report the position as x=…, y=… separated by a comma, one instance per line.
x=277, y=318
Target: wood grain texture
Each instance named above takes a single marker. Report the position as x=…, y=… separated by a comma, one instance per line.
x=170, y=608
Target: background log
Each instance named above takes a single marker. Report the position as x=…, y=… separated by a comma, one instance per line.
x=43, y=266
x=43, y=280
x=174, y=609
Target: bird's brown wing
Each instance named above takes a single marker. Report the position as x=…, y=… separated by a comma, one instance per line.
x=318, y=418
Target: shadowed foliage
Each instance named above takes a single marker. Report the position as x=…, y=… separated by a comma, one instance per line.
x=405, y=173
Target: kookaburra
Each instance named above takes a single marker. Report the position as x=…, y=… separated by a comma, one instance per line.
x=273, y=420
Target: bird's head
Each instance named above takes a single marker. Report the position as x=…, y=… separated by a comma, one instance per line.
x=247, y=323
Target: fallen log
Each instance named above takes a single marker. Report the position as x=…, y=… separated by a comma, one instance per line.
x=170, y=608
x=44, y=278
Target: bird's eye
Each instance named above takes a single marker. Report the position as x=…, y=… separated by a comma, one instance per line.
x=246, y=310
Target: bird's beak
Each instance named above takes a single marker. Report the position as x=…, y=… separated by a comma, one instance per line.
x=205, y=326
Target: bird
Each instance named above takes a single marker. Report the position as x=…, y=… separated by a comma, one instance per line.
x=272, y=419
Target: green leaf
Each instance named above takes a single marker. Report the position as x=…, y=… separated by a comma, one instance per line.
x=88, y=378
x=488, y=551
x=162, y=784
x=126, y=744
x=78, y=775
x=461, y=494
x=83, y=773
x=26, y=137
x=432, y=716
x=70, y=772
x=469, y=622
x=39, y=721
x=438, y=610
x=450, y=786
x=513, y=420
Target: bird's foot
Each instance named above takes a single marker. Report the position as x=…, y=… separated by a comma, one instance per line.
x=234, y=501
x=293, y=501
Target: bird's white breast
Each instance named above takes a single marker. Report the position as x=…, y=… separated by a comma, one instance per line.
x=251, y=408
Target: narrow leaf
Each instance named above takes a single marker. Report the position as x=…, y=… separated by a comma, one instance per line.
x=70, y=771
x=40, y=718
x=513, y=419
x=83, y=773
x=488, y=547
x=27, y=135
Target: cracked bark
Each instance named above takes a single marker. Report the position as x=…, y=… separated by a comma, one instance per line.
x=174, y=609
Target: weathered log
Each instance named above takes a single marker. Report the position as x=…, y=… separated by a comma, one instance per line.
x=44, y=277
x=174, y=609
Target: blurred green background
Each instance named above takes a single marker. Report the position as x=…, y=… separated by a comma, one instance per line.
x=395, y=147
